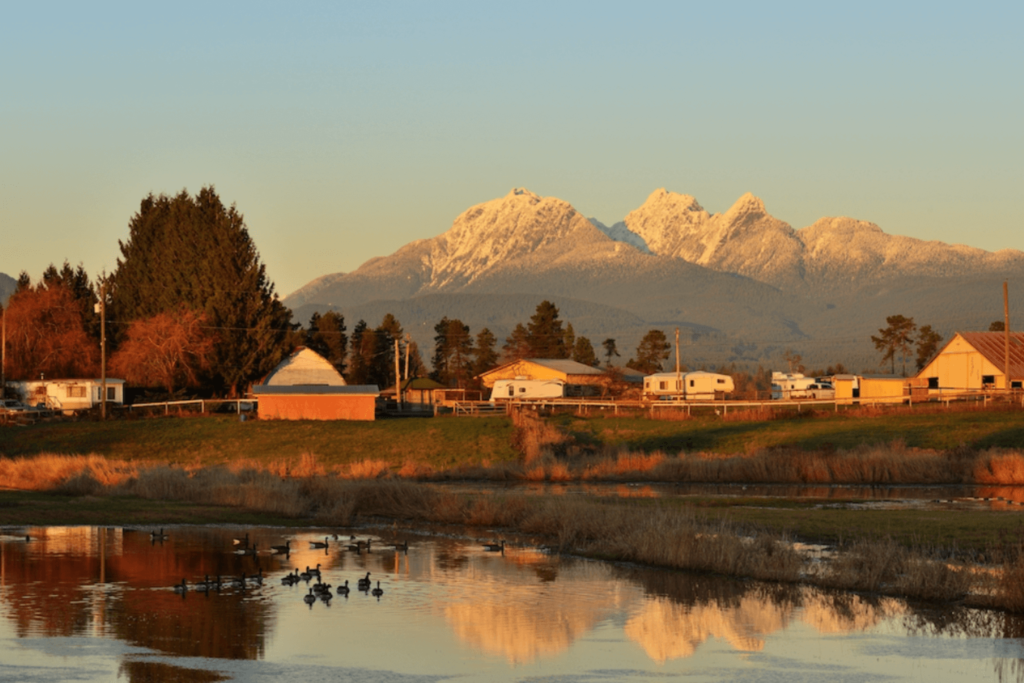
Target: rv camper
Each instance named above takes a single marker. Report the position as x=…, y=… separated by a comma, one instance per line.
x=787, y=386
x=688, y=386
x=526, y=389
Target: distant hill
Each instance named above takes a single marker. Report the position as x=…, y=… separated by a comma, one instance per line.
x=743, y=286
x=7, y=285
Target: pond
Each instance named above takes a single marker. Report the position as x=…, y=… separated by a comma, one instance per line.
x=96, y=604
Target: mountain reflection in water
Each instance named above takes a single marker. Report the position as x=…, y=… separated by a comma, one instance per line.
x=455, y=609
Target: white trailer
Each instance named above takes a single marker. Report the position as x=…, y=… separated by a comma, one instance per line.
x=786, y=386
x=521, y=388
x=688, y=386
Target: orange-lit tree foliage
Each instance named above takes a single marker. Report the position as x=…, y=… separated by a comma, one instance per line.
x=46, y=336
x=171, y=349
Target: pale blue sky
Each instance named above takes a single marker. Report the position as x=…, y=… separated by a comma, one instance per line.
x=343, y=130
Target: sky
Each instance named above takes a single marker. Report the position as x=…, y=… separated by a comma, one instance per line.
x=343, y=130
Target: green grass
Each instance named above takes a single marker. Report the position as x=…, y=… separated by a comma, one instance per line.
x=440, y=442
x=935, y=429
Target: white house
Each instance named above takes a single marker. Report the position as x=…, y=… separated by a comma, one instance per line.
x=69, y=395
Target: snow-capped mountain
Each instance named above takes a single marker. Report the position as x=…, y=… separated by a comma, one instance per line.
x=744, y=281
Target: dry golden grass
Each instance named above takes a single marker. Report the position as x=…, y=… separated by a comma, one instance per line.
x=367, y=469
x=46, y=471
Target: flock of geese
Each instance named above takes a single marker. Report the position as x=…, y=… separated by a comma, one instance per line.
x=319, y=590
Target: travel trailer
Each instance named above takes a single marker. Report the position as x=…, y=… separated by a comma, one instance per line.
x=521, y=388
x=688, y=386
x=787, y=386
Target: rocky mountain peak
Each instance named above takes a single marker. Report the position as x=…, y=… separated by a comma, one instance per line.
x=494, y=232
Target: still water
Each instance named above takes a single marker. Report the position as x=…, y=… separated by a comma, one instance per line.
x=94, y=604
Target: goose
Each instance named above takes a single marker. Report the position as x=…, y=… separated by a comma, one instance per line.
x=282, y=549
x=364, y=583
x=258, y=577
x=317, y=544
x=326, y=597
x=244, y=541
x=291, y=579
x=378, y=591
x=305, y=576
x=495, y=547
x=157, y=535
x=241, y=582
x=343, y=590
x=309, y=599
x=314, y=572
x=357, y=546
x=404, y=547
x=181, y=587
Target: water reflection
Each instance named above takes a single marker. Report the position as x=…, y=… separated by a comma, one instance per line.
x=455, y=609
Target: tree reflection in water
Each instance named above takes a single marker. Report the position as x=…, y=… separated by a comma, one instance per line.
x=523, y=607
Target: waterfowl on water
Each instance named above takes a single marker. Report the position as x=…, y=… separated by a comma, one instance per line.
x=282, y=549
x=244, y=541
x=344, y=590
x=378, y=591
x=305, y=576
x=318, y=544
x=258, y=577
x=495, y=547
x=404, y=547
x=309, y=599
x=181, y=587
x=364, y=583
x=314, y=572
x=358, y=545
x=291, y=579
x=157, y=535
x=241, y=582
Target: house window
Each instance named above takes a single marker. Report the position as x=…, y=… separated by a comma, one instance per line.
x=1016, y=384
x=522, y=390
x=663, y=385
x=692, y=383
x=721, y=381
x=76, y=392
x=511, y=391
x=933, y=382
x=111, y=394
x=988, y=380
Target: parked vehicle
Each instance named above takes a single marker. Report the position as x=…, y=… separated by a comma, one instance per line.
x=521, y=388
x=787, y=386
x=688, y=386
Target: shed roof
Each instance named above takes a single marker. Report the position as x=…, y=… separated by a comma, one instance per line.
x=569, y=367
x=304, y=367
x=992, y=345
x=315, y=389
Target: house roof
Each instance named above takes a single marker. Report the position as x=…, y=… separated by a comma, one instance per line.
x=992, y=345
x=569, y=367
x=316, y=389
x=304, y=367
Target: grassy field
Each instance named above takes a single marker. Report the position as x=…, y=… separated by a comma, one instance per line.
x=448, y=442
x=440, y=443
x=935, y=428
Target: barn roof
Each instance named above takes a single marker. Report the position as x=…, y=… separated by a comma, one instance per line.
x=992, y=346
x=315, y=389
x=304, y=367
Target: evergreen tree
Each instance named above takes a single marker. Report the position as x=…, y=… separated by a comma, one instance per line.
x=546, y=336
x=517, y=344
x=484, y=356
x=927, y=344
x=583, y=352
x=895, y=339
x=194, y=251
x=651, y=351
x=609, y=350
x=363, y=345
x=326, y=336
x=453, y=348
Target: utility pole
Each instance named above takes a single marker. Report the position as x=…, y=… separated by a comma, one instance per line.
x=679, y=378
x=408, y=343
x=102, y=308
x=3, y=352
x=398, y=376
x=1006, y=335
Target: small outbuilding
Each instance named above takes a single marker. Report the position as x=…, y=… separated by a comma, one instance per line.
x=570, y=372
x=975, y=361
x=305, y=386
